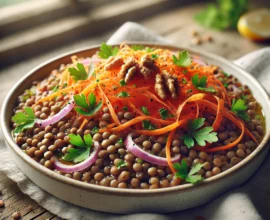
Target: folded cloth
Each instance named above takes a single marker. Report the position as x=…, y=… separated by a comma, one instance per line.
x=249, y=201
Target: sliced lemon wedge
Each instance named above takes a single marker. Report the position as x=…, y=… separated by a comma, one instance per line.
x=255, y=25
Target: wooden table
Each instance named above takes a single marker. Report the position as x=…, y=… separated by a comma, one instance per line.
x=176, y=25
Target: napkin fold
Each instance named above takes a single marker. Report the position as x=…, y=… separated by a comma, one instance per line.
x=248, y=202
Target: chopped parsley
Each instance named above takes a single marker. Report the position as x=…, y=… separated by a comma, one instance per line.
x=82, y=150
x=139, y=160
x=183, y=59
x=184, y=81
x=200, y=83
x=154, y=56
x=95, y=130
x=239, y=107
x=120, y=141
x=122, y=82
x=125, y=108
x=122, y=94
x=121, y=163
x=145, y=110
x=192, y=176
x=106, y=51
x=201, y=136
x=164, y=113
x=79, y=73
x=89, y=107
x=147, y=125
x=24, y=120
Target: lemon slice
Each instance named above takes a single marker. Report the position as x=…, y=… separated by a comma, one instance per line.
x=255, y=25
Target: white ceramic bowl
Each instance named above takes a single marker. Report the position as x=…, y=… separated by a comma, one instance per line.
x=134, y=200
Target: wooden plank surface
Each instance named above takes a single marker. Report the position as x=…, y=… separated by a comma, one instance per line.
x=177, y=26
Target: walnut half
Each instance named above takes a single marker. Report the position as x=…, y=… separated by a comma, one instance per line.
x=165, y=81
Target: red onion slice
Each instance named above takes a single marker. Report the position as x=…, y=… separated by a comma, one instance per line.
x=138, y=152
x=87, y=61
x=57, y=117
x=80, y=166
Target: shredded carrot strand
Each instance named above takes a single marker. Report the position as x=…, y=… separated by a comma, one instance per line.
x=161, y=102
x=168, y=151
x=85, y=120
x=111, y=109
x=164, y=130
x=219, y=115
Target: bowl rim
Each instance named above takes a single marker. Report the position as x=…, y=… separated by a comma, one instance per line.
x=4, y=122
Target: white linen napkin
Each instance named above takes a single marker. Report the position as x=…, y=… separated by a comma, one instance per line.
x=251, y=201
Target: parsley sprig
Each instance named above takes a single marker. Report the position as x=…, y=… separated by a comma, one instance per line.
x=239, y=107
x=200, y=83
x=106, y=51
x=24, y=120
x=183, y=59
x=192, y=176
x=85, y=107
x=200, y=136
x=79, y=73
x=82, y=150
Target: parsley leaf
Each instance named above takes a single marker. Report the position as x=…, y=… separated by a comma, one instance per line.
x=122, y=94
x=191, y=176
x=200, y=83
x=121, y=163
x=184, y=81
x=120, y=141
x=137, y=47
x=125, y=108
x=122, y=82
x=149, y=49
x=24, y=121
x=183, y=59
x=56, y=88
x=164, y=113
x=223, y=15
x=106, y=51
x=95, y=130
x=82, y=150
x=79, y=73
x=239, y=107
x=87, y=108
x=154, y=56
x=148, y=125
x=200, y=136
x=145, y=110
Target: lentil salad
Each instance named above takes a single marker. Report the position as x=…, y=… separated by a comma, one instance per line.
x=138, y=117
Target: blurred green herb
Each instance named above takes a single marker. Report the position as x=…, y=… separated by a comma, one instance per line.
x=225, y=14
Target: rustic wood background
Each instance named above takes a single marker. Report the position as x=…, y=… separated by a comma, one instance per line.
x=175, y=24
